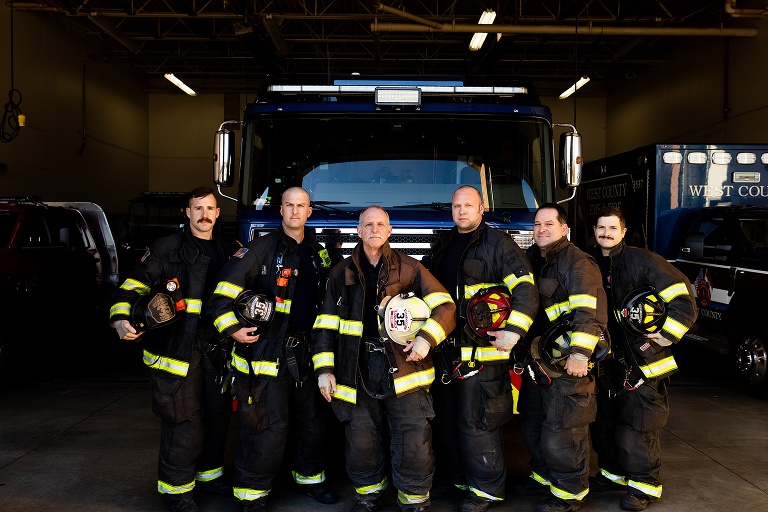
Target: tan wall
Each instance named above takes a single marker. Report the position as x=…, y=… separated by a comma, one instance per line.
x=45, y=158
x=589, y=121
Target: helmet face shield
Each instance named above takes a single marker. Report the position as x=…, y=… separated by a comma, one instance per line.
x=643, y=312
x=255, y=308
x=402, y=317
x=553, y=348
x=153, y=311
x=488, y=310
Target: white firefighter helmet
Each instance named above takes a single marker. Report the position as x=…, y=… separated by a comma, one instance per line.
x=402, y=317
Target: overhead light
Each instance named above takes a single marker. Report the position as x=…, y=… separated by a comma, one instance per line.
x=575, y=87
x=479, y=38
x=181, y=85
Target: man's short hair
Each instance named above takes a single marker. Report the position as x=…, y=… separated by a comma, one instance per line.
x=199, y=192
x=562, y=215
x=612, y=211
x=371, y=207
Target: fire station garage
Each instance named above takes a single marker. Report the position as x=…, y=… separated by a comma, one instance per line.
x=116, y=109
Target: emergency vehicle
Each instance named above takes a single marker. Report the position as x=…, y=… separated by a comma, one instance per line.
x=705, y=209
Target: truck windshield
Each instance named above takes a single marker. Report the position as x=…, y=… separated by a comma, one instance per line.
x=398, y=161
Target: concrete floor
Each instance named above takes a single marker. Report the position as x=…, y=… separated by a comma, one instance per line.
x=86, y=440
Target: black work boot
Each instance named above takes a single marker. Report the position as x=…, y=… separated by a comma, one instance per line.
x=631, y=501
x=321, y=492
x=474, y=503
x=529, y=487
x=259, y=505
x=219, y=486
x=553, y=504
x=600, y=483
x=417, y=507
x=367, y=503
x=186, y=504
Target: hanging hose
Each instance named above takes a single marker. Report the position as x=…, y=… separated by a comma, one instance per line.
x=13, y=119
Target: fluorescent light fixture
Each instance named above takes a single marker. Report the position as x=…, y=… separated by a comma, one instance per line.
x=575, y=87
x=181, y=85
x=479, y=38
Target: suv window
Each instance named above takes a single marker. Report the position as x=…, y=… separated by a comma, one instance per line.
x=718, y=240
x=35, y=232
x=7, y=222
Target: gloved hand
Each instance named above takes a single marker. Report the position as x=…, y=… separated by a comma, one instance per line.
x=125, y=331
x=505, y=340
x=658, y=339
x=577, y=365
x=418, y=348
x=327, y=384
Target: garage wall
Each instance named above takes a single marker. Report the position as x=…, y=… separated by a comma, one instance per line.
x=589, y=119
x=50, y=157
x=685, y=99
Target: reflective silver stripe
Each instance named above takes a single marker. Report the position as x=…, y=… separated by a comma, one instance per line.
x=674, y=291
x=351, y=327
x=239, y=363
x=166, y=488
x=434, y=329
x=323, y=360
x=520, y=320
x=207, y=476
x=245, y=494
x=582, y=301
x=484, y=354
x=135, y=286
x=511, y=280
x=374, y=488
x=228, y=289
x=327, y=322
x=539, y=479
x=617, y=479
x=478, y=492
x=565, y=495
x=345, y=393
x=411, y=499
x=414, y=380
x=120, y=308
x=194, y=306
x=659, y=368
x=264, y=368
x=584, y=340
x=649, y=490
x=676, y=328
x=436, y=299
x=555, y=310
x=167, y=364
x=471, y=290
x=283, y=307
x=225, y=321
x=307, y=480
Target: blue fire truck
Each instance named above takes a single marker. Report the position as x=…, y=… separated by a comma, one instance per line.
x=403, y=143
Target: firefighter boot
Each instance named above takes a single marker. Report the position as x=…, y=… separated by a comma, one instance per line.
x=553, y=504
x=631, y=501
x=529, y=487
x=182, y=505
x=600, y=483
x=321, y=492
x=219, y=486
x=475, y=503
x=259, y=505
x=367, y=503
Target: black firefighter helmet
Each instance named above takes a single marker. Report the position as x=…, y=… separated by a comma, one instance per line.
x=255, y=308
x=643, y=312
x=553, y=347
x=159, y=308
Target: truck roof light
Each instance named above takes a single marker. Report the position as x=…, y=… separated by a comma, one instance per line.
x=397, y=96
x=764, y=159
x=672, y=157
x=697, y=157
x=746, y=158
x=372, y=88
x=746, y=177
x=721, y=158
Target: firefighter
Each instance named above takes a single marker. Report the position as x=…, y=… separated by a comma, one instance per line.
x=184, y=358
x=272, y=364
x=472, y=395
x=367, y=379
x=632, y=402
x=556, y=413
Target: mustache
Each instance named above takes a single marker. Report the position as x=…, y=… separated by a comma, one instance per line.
x=204, y=219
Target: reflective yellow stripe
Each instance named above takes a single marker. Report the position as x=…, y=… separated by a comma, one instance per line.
x=434, y=329
x=211, y=474
x=659, y=368
x=584, y=340
x=565, y=495
x=166, y=488
x=283, y=307
x=194, y=306
x=511, y=280
x=239, y=363
x=555, y=310
x=345, y=394
x=120, y=308
x=173, y=366
x=649, y=490
x=372, y=489
x=674, y=327
x=617, y=479
x=245, y=494
x=478, y=492
x=539, y=479
x=308, y=480
x=225, y=321
x=415, y=380
x=582, y=301
x=351, y=327
x=484, y=354
x=228, y=289
x=327, y=322
x=471, y=289
x=676, y=290
x=268, y=368
x=135, y=286
x=520, y=320
x=323, y=360
x=436, y=299
x=411, y=499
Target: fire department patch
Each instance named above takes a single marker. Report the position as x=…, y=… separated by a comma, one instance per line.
x=240, y=252
x=399, y=319
x=146, y=255
x=645, y=346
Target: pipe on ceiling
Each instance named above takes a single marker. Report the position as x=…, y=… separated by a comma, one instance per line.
x=730, y=8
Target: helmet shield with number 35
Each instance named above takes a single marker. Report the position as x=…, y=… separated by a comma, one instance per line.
x=402, y=317
x=255, y=308
x=643, y=312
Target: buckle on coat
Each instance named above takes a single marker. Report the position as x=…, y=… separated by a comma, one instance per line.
x=372, y=347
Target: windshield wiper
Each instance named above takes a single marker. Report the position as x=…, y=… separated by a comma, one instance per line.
x=326, y=205
x=441, y=207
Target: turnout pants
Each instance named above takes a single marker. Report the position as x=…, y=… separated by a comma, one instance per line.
x=555, y=426
x=194, y=419
x=625, y=435
x=468, y=430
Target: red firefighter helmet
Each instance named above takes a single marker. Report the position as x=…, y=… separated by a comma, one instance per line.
x=488, y=310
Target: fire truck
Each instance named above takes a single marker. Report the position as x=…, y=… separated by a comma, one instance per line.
x=705, y=209
x=403, y=143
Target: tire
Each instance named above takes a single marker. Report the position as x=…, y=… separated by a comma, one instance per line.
x=751, y=357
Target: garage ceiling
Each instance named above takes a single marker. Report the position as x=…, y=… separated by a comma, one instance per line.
x=229, y=45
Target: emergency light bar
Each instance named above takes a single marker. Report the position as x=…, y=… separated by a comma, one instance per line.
x=397, y=96
x=371, y=89
x=746, y=177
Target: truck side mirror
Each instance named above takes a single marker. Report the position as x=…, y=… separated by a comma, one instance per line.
x=693, y=246
x=571, y=159
x=223, y=149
